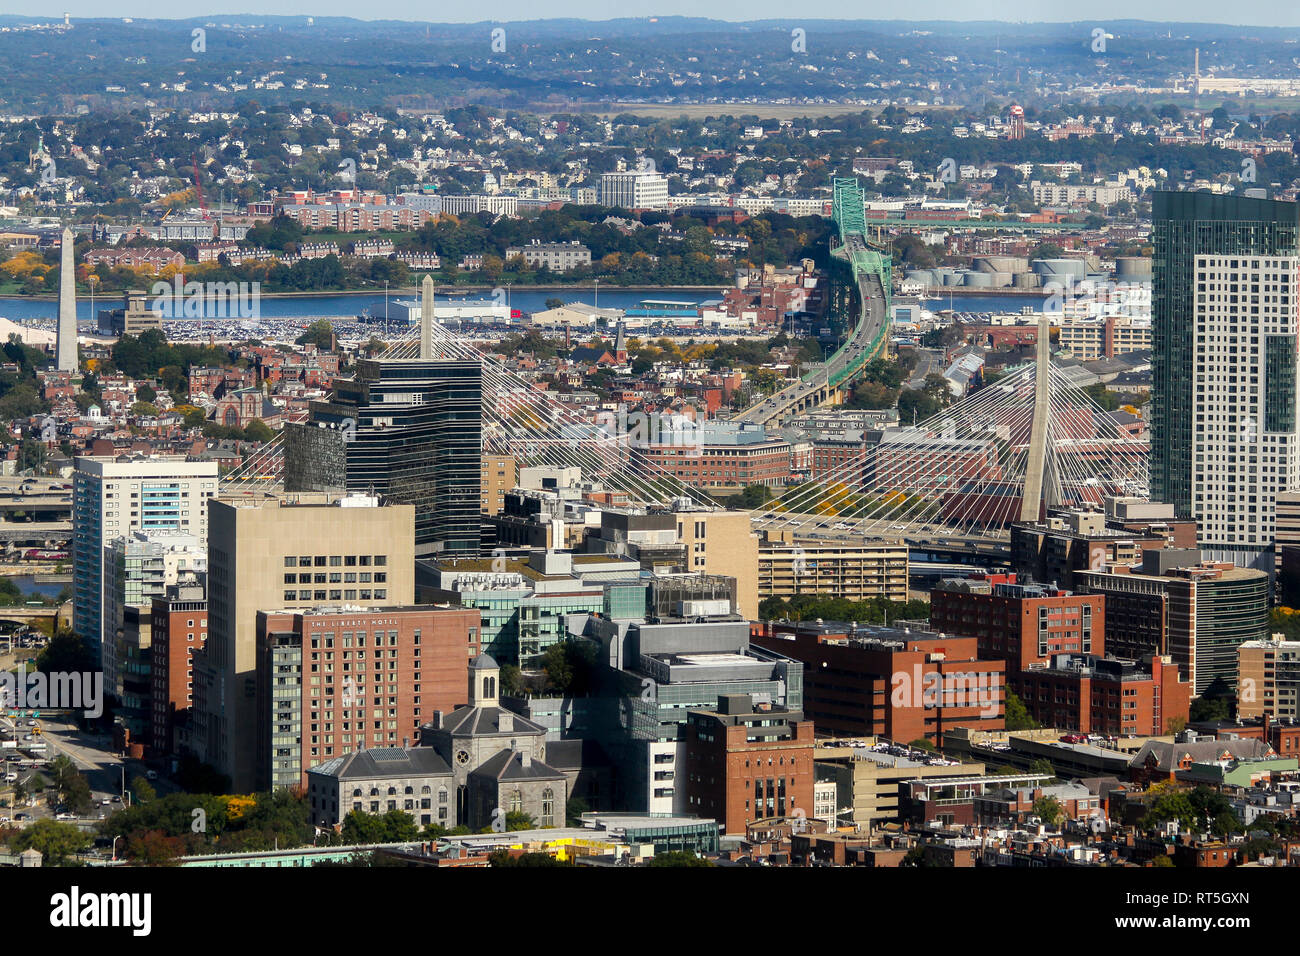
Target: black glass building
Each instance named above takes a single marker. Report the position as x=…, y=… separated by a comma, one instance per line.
x=408, y=429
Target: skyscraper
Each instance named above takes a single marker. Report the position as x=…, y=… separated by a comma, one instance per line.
x=66, y=349
x=1225, y=309
x=408, y=429
x=115, y=497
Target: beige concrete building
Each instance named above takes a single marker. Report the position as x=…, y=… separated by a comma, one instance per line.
x=1091, y=338
x=285, y=551
x=724, y=542
x=499, y=475
x=866, y=781
x=1268, y=678
x=856, y=572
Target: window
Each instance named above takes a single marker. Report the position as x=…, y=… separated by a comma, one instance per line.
x=548, y=807
x=516, y=801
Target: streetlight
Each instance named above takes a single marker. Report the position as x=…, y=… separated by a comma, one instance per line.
x=115, y=839
x=596, y=304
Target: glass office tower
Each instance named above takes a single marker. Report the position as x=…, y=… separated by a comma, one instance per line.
x=408, y=429
x=1224, y=339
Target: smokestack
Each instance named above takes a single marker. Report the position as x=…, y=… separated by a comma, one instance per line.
x=66, y=347
x=426, y=318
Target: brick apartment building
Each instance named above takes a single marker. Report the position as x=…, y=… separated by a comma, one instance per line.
x=499, y=474
x=179, y=628
x=747, y=762
x=888, y=682
x=330, y=680
x=1106, y=696
x=1022, y=624
x=722, y=466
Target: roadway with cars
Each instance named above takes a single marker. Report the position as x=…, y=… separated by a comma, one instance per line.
x=815, y=389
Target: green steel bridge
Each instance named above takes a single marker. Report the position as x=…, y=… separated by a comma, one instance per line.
x=861, y=289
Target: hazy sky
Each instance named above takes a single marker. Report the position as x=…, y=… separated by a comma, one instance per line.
x=1267, y=13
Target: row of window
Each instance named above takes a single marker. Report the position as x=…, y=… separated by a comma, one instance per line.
x=335, y=561
x=337, y=594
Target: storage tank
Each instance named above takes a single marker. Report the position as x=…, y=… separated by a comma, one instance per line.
x=1011, y=264
x=1001, y=280
x=1134, y=268
x=1027, y=280
x=979, y=280
x=952, y=278
x=1060, y=268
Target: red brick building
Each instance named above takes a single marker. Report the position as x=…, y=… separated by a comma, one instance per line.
x=179, y=628
x=887, y=682
x=839, y=459
x=918, y=462
x=720, y=466
x=365, y=678
x=1021, y=624
x=746, y=763
x=1099, y=696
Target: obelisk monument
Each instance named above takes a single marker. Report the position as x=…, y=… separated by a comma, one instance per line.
x=67, y=334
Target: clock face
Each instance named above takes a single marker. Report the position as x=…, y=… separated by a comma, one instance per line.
x=462, y=756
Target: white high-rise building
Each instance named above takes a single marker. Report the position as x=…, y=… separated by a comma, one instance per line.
x=1246, y=402
x=114, y=497
x=638, y=189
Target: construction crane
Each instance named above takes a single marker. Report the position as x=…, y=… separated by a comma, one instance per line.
x=198, y=188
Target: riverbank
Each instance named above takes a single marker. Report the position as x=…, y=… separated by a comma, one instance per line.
x=443, y=290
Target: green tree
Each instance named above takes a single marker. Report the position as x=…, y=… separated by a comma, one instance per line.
x=56, y=842
x=1049, y=810
x=518, y=820
x=32, y=455
x=71, y=788
x=65, y=652
x=143, y=789
x=512, y=681
x=320, y=333
x=1017, y=716
x=258, y=430
x=751, y=497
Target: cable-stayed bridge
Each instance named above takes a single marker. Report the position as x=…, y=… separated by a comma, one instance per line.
x=1004, y=453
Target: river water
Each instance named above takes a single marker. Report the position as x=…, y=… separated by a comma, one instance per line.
x=348, y=306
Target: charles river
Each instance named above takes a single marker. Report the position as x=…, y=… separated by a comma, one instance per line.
x=347, y=306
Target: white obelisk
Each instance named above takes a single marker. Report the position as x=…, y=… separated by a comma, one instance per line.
x=426, y=318
x=67, y=333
